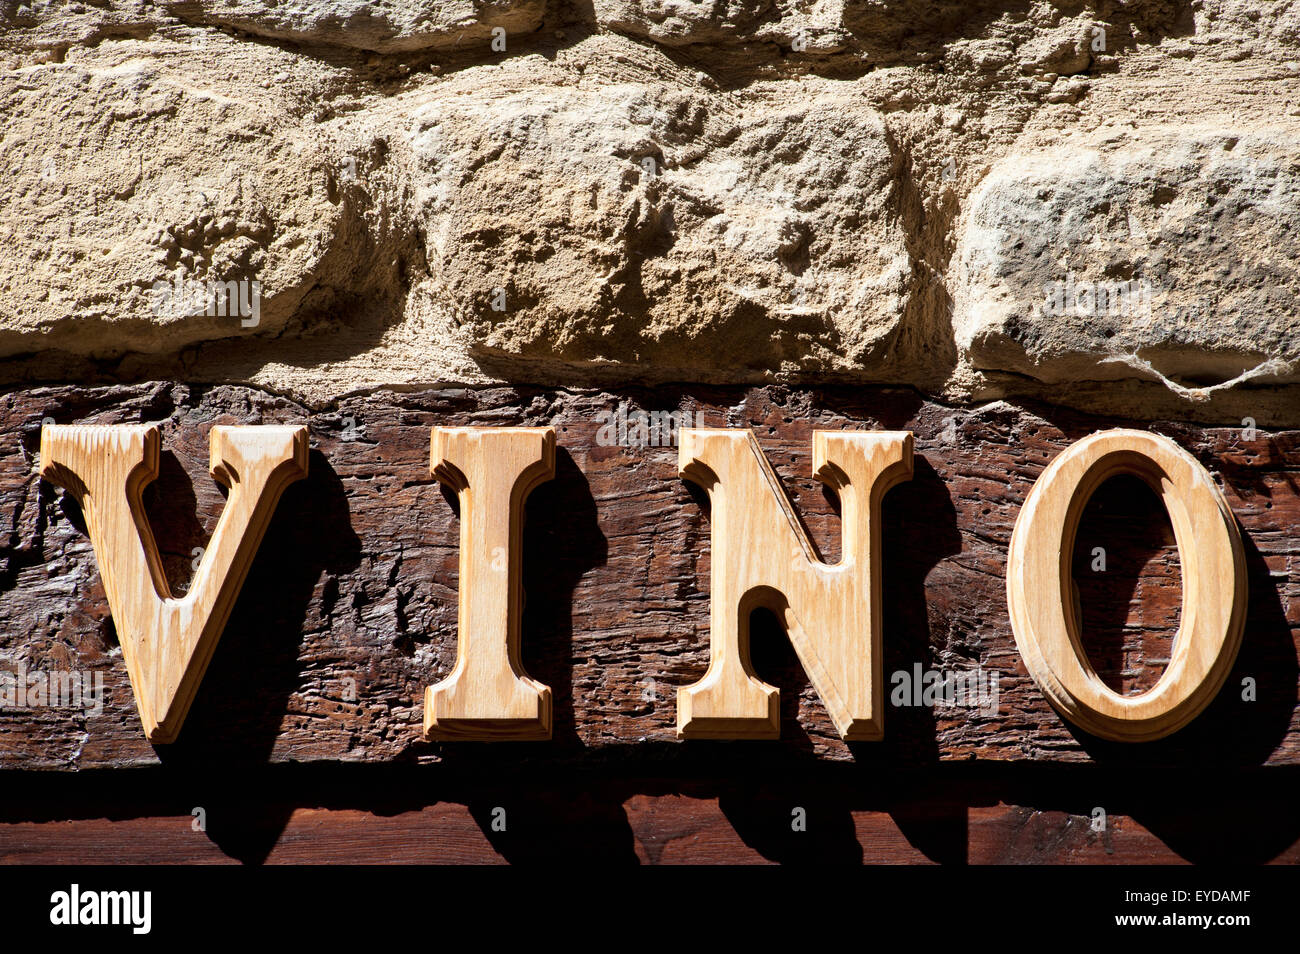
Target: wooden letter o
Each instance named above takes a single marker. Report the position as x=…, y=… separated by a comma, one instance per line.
x=1043, y=600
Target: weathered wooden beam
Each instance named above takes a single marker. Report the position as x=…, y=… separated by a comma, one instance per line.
x=715, y=807
x=349, y=609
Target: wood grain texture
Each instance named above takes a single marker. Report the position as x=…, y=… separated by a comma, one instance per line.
x=488, y=696
x=166, y=641
x=762, y=558
x=711, y=809
x=1044, y=602
x=350, y=607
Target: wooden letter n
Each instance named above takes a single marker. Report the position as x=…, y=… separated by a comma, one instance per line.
x=762, y=557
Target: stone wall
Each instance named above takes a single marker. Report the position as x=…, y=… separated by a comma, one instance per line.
x=641, y=191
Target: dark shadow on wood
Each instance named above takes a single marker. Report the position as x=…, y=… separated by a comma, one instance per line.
x=573, y=812
x=243, y=699
x=1233, y=730
x=1124, y=551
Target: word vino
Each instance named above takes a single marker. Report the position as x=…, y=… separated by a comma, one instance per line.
x=762, y=557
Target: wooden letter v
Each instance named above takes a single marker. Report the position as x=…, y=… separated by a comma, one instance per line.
x=167, y=642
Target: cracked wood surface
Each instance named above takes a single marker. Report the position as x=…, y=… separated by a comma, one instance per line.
x=349, y=610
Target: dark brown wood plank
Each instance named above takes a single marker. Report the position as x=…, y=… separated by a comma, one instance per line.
x=355, y=584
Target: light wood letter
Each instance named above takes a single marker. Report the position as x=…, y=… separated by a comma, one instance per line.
x=1044, y=601
x=762, y=557
x=168, y=642
x=488, y=695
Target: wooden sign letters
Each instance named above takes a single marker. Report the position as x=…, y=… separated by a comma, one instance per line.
x=167, y=642
x=762, y=557
x=488, y=695
x=1044, y=601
